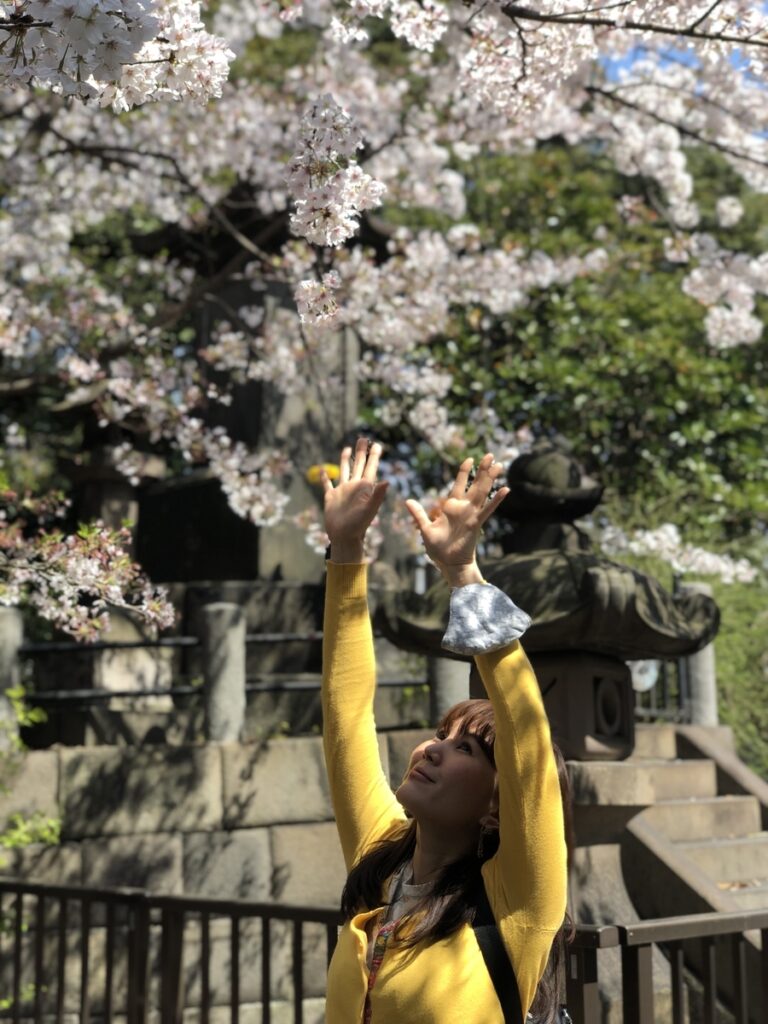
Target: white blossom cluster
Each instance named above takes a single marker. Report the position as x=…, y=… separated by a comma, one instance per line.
x=123, y=54
x=254, y=482
x=73, y=580
x=315, y=300
x=666, y=543
x=727, y=283
x=467, y=81
x=329, y=189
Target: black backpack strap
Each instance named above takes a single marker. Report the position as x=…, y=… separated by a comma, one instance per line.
x=496, y=960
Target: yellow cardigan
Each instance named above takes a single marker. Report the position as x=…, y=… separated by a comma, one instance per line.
x=438, y=982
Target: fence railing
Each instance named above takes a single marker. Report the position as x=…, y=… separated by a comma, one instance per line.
x=668, y=701
x=102, y=953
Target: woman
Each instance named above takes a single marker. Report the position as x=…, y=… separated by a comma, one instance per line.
x=479, y=811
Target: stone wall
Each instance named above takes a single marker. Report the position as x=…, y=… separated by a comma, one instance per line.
x=229, y=821
x=224, y=820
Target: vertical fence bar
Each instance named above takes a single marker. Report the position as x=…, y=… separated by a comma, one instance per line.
x=61, y=960
x=18, y=929
x=298, y=974
x=266, y=970
x=709, y=979
x=678, y=984
x=138, y=959
x=39, y=940
x=582, y=994
x=637, y=978
x=171, y=958
x=109, y=953
x=234, y=948
x=764, y=971
x=739, y=962
x=85, y=942
x=205, y=967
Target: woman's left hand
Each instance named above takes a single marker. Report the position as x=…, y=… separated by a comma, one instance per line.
x=450, y=536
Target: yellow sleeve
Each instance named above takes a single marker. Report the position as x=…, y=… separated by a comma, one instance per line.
x=364, y=805
x=527, y=879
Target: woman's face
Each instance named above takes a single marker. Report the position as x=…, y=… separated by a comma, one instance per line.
x=450, y=783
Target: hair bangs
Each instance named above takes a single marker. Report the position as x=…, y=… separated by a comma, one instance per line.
x=474, y=718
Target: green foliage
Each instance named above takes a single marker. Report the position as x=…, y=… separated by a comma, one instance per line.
x=617, y=362
x=22, y=830
x=27, y=992
x=267, y=60
x=741, y=650
x=25, y=715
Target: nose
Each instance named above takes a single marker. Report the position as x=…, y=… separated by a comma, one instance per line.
x=432, y=752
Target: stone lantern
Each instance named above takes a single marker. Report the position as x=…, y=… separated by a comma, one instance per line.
x=590, y=615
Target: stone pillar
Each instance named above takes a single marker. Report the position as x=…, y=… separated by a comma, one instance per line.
x=11, y=636
x=448, y=684
x=702, y=678
x=224, y=671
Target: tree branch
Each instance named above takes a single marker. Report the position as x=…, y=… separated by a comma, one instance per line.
x=22, y=23
x=514, y=11
x=687, y=132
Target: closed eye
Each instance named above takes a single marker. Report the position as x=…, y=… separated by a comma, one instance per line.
x=465, y=745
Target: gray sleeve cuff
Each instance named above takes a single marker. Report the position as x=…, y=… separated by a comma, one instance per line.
x=482, y=619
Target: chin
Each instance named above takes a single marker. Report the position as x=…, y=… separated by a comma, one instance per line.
x=402, y=794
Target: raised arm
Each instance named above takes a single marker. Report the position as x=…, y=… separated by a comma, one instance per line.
x=526, y=880
x=363, y=802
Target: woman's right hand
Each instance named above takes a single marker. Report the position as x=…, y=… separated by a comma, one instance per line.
x=352, y=505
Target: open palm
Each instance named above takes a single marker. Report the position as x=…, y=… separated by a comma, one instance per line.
x=352, y=505
x=450, y=535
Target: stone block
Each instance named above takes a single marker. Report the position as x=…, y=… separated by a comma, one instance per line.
x=139, y=668
x=132, y=791
x=182, y=726
x=228, y=865
x=308, y=867
x=30, y=784
x=48, y=865
x=640, y=783
x=402, y=707
x=137, y=862
x=281, y=780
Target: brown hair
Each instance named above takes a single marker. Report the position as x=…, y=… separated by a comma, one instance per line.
x=454, y=897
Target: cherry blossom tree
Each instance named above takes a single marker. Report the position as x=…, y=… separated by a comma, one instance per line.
x=149, y=208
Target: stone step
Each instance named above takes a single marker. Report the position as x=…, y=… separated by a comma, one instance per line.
x=640, y=783
x=731, y=860
x=704, y=818
x=655, y=741
x=746, y=896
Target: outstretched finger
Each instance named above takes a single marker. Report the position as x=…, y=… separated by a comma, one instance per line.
x=460, y=484
x=325, y=482
x=483, y=482
x=361, y=455
x=493, y=504
x=372, y=464
x=418, y=514
x=346, y=455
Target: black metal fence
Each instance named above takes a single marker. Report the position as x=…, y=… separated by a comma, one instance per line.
x=102, y=954
x=667, y=701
